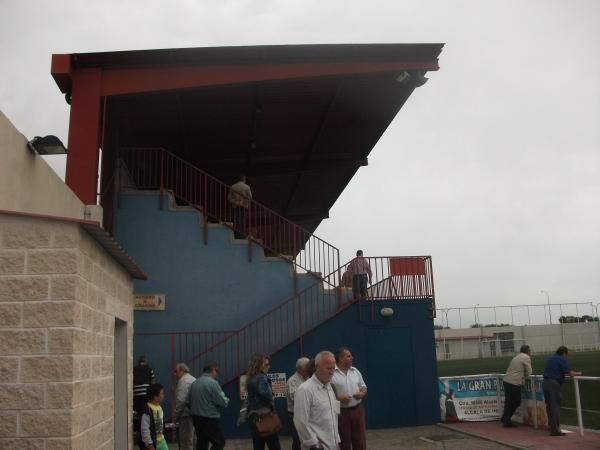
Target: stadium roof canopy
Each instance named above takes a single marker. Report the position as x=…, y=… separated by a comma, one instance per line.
x=298, y=120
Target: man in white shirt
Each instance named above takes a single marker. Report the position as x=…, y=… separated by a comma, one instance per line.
x=182, y=411
x=316, y=409
x=350, y=389
x=293, y=384
x=518, y=369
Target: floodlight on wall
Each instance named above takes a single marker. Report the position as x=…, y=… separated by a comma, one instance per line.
x=47, y=145
x=417, y=78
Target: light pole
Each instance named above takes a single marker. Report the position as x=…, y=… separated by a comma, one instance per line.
x=549, y=310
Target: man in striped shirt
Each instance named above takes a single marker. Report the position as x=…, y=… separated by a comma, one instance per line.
x=143, y=376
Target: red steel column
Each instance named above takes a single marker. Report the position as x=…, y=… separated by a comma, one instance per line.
x=84, y=135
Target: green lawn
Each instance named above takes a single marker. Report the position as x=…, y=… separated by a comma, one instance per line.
x=586, y=362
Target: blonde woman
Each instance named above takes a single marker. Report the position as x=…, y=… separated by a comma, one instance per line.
x=260, y=400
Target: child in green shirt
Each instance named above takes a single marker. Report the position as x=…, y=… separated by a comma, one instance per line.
x=152, y=420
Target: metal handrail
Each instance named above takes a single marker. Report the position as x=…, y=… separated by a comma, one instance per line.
x=291, y=319
x=273, y=329
x=157, y=168
x=403, y=277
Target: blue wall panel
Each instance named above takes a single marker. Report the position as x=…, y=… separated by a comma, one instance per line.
x=208, y=287
x=213, y=287
x=399, y=366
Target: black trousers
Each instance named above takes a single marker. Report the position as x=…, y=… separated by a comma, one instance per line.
x=208, y=431
x=359, y=285
x=512, y=400
x=295, y=437
x=552, y=397
x=239, y=222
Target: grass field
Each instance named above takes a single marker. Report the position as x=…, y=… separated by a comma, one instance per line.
x=586, y=362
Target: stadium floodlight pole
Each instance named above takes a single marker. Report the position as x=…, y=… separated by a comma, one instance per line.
x=549, y=310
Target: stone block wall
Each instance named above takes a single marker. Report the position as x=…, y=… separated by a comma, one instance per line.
x=59, y=295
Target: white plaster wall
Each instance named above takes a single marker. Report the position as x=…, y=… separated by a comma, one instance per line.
x=27, y=183
x=541, y=339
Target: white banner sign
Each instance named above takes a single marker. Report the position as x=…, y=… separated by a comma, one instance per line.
x=278, y=385
x=481, y=398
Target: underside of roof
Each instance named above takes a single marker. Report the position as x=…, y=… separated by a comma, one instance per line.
x=298, y=121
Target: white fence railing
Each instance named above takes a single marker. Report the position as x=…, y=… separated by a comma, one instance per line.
x=516, y=315
x=533, y=379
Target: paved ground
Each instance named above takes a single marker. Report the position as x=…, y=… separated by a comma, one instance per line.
x=460, y=436
x=529, y=438
x=426, y=438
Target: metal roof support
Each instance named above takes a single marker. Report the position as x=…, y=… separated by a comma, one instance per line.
x=84, y=135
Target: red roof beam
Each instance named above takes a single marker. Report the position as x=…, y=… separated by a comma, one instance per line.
x=118, y=81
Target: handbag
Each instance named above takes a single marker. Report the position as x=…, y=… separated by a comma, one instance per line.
x=267, y=424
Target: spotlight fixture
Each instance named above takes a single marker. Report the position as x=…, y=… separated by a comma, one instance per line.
x=403, y=78
x=417, y=78
x=47, y=145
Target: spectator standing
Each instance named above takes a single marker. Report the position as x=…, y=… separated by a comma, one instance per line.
x=206, y=400
x=316, y=409
x=182, y=411
x=556, y=368
x=152, y=420
x=299, y=377
x=350, y=389
x=361, y=275
x=260, y=400
x=518, y=369
x=239, y=197
x=143, y=376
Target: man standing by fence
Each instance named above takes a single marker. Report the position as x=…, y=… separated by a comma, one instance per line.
x=518, y=369
x=361, y=275
x=556, y=368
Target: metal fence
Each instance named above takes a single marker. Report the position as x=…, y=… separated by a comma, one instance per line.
x=526, y=314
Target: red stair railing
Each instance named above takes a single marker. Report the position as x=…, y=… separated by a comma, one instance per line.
x=393, y=278
x=404, y=277
x=271, y=331
x=156, y=168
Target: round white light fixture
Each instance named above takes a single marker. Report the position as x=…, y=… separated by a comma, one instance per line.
x=386, y=312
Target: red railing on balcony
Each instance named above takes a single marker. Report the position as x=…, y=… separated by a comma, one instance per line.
x=156, y=168
x=182, y=344
x=399, y=278
x=402, y=277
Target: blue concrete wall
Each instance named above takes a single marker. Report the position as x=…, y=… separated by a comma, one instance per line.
x=396, y=356
x=213, y=287
x=208, y=287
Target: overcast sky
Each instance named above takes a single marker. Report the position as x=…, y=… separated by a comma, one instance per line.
x=492, y=167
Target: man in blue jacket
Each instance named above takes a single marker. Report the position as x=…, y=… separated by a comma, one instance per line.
x=206, y=400
x=556, y=368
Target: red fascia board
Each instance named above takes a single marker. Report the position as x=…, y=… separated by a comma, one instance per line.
x=149, y=79
x=61, y=71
